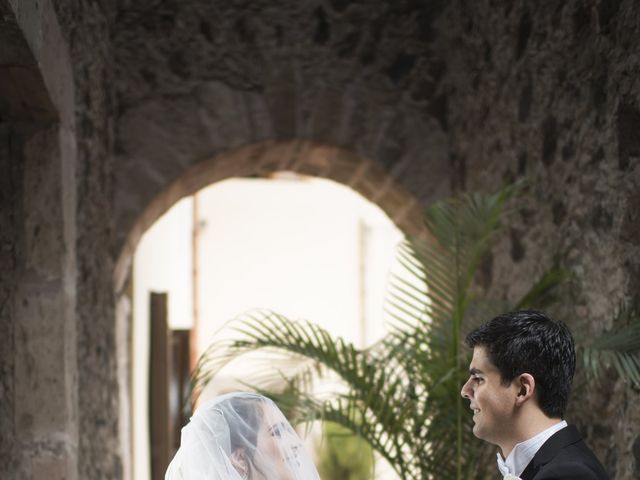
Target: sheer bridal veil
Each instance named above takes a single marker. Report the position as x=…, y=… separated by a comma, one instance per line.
x=240, y=436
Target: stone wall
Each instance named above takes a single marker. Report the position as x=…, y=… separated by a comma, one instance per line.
x=195, y=79
x=10, y=192
x=436, y=94
x=551, y=92
x=39, y=413
x=86, y=29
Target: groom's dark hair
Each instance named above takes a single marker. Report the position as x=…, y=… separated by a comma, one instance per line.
x=528, y=341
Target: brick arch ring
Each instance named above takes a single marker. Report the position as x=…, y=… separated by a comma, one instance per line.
x=262, y=159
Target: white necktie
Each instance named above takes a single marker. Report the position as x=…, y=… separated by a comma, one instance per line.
x=504, y=469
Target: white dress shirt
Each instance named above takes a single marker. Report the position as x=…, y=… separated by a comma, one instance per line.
x=523, y=452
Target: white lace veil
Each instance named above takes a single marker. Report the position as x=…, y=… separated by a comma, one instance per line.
x=240, y=436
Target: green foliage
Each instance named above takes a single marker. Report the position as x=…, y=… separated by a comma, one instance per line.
x=402, y=395
x=342, y=455
x=618, y=349
x=430, y=311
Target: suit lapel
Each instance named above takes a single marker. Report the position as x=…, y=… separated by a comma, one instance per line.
x=549, y=449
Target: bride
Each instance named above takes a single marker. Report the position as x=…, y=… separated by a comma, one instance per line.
x=240, y=436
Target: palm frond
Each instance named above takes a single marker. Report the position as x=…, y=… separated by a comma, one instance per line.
x=543, y=292
x=618, y=348
x=428, y=304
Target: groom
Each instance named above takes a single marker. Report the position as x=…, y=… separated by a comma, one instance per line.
x=519, y=383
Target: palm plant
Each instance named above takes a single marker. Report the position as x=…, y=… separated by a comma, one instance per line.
x=401, y=395
x=341, y=454
x=618, y=349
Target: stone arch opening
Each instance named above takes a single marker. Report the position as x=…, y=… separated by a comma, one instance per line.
x=262, y=159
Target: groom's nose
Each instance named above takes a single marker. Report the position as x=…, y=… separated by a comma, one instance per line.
x=466, y=391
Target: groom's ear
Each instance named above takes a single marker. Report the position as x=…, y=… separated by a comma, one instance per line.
x=527, y=388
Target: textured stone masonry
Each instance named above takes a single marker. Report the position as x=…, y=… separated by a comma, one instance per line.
x=111, y=111
x=551, y=94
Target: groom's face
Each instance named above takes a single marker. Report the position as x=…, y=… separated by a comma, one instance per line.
x=493, y=404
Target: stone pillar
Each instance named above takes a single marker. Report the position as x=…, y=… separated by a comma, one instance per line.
x=10, y=175
x=45, y=366
x=38, y=341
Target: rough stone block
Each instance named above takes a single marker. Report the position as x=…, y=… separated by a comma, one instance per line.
x=44, y=223
x=52, y=468
x=41, y=406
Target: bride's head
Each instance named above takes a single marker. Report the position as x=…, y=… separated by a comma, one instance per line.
x=240, y=436
x=263, y=445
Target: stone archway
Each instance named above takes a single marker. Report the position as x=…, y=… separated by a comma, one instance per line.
x=260, y=159
x=159, y=137
x=264, y=158
x=241, y=109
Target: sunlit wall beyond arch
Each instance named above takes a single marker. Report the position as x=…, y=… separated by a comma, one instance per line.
x=305, y=247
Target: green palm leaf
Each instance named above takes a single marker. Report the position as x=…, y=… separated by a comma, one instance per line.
x=618, y=348
x=543, y=292
x=376, y=406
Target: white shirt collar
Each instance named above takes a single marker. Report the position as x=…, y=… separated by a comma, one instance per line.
x=523, y=452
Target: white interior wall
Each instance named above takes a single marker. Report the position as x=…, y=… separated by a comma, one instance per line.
x=162, y=263
x=292, y=246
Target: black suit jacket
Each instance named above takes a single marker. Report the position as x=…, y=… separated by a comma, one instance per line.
x=564, y=456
